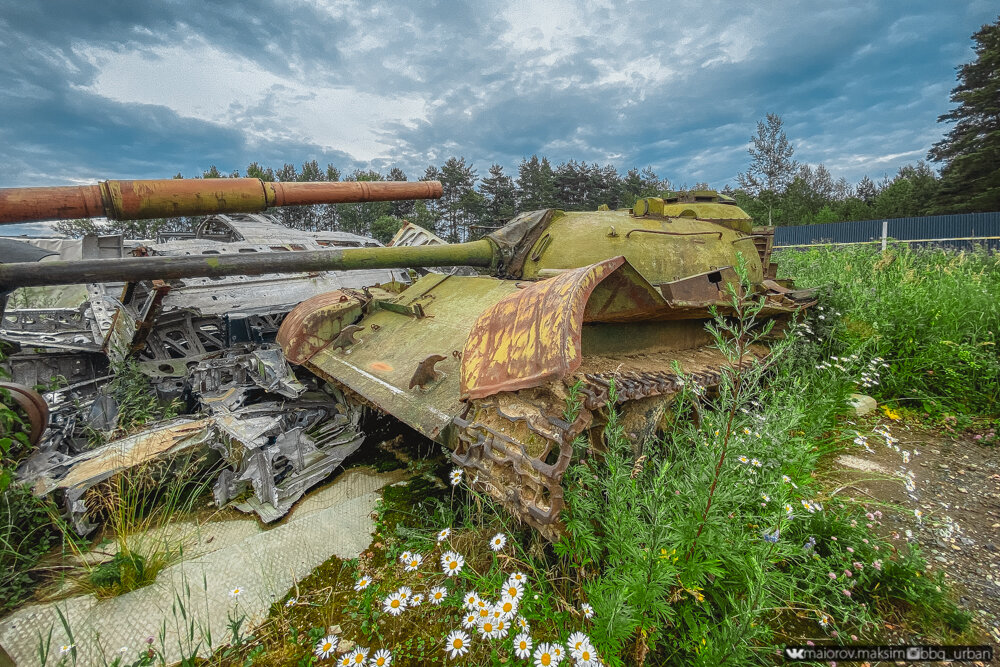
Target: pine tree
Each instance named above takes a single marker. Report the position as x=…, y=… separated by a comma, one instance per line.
x=970, y=178
x=771, y=165
x=501, y=196
x=535, y=184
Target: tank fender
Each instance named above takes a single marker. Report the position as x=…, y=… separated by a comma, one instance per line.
x=533, y=336
x=316, y=323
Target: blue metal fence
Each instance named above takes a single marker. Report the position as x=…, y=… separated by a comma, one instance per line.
x=960, y=230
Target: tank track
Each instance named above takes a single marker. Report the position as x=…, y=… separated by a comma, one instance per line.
x=516, y=447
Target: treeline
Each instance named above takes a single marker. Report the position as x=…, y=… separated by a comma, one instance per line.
x=813, y=196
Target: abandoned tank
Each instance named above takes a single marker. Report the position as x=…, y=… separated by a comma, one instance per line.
x=567, y=304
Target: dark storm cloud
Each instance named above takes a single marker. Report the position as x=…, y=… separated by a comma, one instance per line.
x=678, y=86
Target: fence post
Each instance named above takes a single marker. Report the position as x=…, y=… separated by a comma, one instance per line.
x=885, y=233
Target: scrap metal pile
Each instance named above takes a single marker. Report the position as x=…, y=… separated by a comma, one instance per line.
x=206, y=344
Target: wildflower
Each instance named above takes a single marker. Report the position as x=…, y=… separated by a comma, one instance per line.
x=906, y=456
x=588, y=611
x=457, y=643
x=501, y=629
x=326, y=646
x=544, y=657
x=846, y=592
x=236, y=592
x=576, y=640
x=824, y=620
x=521, y=624
x=451, y=563
x=438, y=594
x=832, y=575
x=518, y=578
x=850, y=550
x=788, y=510
x=290, y=602
x=471, y=600
x=772, y=536
x=848, y=573
x=382, y=658
x=755, y=463
x=744, y=459
x=766, y=497
x=413, y=564
x=405, y=557
x=456, y=477
x=405, y=592
x=507, y=607
x=858, y=565
x=522, y=646
x=586, y=656
x=345, y=661
x=877, y=565
x=416, y=600
x=746, y=431
x=498, y=541
x=443, y=534
x=878, y=514
x=861, y=441
x=362, y=584
x=513, y=590
x=919, y=515
x=394, y=604
x=66, y=648
x=487, y=628
x=471, y=620
x=359, y=656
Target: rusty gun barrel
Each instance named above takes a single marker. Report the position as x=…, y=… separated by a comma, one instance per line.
x=168, y=198
x=35, y=274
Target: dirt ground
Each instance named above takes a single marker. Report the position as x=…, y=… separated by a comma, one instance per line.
x=956, y=489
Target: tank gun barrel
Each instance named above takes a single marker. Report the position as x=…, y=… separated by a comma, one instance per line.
x=168, y=198
x=37, y=274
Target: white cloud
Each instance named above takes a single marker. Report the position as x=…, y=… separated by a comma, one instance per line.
x=197, y=80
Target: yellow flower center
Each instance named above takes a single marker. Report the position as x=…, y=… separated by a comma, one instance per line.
x=507, y=607
x=457, y=642
x=327, y=646
x=523, y=645
x=585, y=655
x=546, y=659
x=413, y=563
x=453, y=564
x=358, y=659
x=394, y=604
x=380, y=661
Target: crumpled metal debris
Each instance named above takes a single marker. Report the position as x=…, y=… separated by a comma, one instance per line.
x=205, y=342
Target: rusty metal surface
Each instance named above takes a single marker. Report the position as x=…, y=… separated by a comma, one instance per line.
x=33, y=405
x=167, y=198
x=531, y=336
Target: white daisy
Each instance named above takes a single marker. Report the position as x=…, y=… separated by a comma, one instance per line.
x=405, y=557
x=507, y=607
x=576, y=640
x=517, y=578
x=513, y=590
x=457, y=643
x=326, y=646
x=362, y=584
x=522, y=646
x=413, y=563
x=456, y=477
x=382, y=658
x=394, y=604
x=557, y=652
x=345, y=660
x=544, y=657
x=498, y=541
x=415, y=600
x=359, y=656
x=236, y=592
x=588, y=611
x=521, y=624
x=586, y=656
x=405, y=592
x=502, y=628
x=443, y=534
x=451, y=563
x=488, y=628
x=438, y=594
x=66, y=648
x=471, y=600
x=471, y=620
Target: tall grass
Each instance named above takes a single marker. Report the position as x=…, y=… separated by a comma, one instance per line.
x=931, y=313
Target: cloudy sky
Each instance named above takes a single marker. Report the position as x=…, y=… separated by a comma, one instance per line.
x=110, y=89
